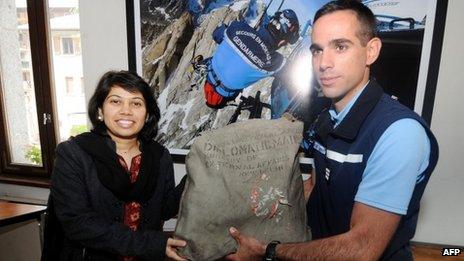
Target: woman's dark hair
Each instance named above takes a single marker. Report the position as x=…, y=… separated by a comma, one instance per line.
x=130, y=82
x=365, y=16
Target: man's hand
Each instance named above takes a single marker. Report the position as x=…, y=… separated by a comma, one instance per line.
x=171, y=248
x=248, y=248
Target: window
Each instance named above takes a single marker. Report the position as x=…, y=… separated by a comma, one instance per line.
x=25, y=64
x=68, y=46
x=33, y=72
x=19, y=110
x=69, y=85
x=26, y=77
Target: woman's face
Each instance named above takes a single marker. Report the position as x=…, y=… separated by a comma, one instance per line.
x=124, y=113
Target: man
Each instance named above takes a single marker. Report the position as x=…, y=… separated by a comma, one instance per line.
x=246, y=55
x=373, y=156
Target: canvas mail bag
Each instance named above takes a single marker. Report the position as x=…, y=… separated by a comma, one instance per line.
x=244, y=175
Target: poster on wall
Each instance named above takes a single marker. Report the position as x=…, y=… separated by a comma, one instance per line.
x=176, y=42
x=401, y=26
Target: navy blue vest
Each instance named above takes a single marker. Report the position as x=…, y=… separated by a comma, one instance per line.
x=332, y=200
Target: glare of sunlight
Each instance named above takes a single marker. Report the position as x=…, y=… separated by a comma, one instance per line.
x=302, y=75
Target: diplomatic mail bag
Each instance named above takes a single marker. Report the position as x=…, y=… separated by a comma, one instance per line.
x=244, y=175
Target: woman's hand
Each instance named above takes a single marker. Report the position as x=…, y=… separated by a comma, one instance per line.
x=171, y=248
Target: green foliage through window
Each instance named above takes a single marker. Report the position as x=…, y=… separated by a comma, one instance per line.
x=34, y=154
x=78, y=129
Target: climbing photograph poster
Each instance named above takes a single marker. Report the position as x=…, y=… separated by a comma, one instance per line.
x=215, y=62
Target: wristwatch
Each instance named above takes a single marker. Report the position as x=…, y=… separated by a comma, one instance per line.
x=271, y=254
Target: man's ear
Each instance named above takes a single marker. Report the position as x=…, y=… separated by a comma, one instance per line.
x=373, y=50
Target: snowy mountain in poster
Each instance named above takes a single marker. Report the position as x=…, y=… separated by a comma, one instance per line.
x=174, y=32
x=167, y=64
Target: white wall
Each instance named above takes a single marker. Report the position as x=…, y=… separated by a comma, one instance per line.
x=104, y=39
x=442, y=214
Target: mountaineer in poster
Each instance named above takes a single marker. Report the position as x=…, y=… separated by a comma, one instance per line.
x=246, y=55
x=169, y=46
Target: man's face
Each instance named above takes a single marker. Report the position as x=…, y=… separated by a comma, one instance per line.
x=340, y=60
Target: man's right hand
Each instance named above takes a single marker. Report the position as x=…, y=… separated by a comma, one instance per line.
x=171, y=248
x=248, y=248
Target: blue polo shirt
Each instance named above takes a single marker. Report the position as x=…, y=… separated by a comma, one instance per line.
x=394, y=167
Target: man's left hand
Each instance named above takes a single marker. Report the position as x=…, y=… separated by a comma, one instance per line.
x=248, y=248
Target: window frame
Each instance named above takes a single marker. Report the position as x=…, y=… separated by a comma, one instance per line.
x=67, y=45
x=69, y=82
x=41, y=73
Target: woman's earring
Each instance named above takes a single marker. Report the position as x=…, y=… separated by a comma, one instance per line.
x=100, y=114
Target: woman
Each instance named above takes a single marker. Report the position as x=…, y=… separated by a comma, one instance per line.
x=113, y=187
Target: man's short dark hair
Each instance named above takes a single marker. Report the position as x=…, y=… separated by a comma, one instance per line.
x=365, y=17
x=130, y=82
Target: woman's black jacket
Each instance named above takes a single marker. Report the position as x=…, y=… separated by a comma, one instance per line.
x=92, y=217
